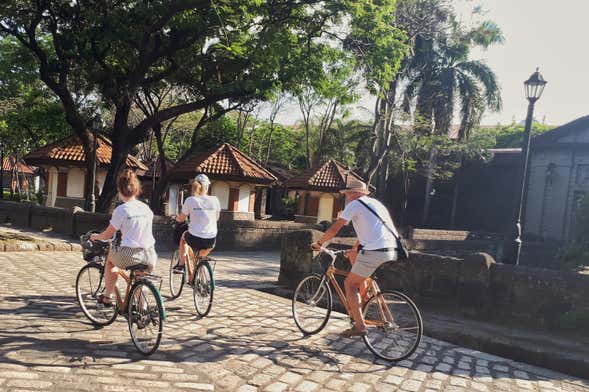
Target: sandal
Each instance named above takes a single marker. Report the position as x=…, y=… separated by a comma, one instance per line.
x=179, y=268
x=350, y=332
x=101, y=300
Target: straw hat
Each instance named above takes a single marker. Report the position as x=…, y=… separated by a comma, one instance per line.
x=356, y=186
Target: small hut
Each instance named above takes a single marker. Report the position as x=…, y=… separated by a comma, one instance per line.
x=17, y=175
x=317, y=191
x=237, y=180
x=64, y=163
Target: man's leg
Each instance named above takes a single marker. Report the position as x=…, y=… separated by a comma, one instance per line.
x=353, y=285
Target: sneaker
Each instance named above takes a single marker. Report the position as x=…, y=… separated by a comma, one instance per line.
x=178, y=269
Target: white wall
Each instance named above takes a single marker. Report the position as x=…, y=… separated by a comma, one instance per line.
x=221, y=190
x=100, y=178
x=325, y=208
x=51, y=186
x=75, y=182
x=173, y=208
x=244, y=198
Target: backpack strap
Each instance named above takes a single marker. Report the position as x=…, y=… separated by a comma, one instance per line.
x=379, y=218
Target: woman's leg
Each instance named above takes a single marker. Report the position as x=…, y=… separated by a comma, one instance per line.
x=204, y=252
x=182, y=250
x=110, y=279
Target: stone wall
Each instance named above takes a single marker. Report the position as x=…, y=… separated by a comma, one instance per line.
x=474, y=285
x=233, y=234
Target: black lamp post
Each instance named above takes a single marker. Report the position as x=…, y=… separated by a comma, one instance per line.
x=534, y=87
x=96, y=122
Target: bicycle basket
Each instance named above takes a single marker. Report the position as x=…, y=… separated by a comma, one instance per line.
x=93, y=249
x=179, y=229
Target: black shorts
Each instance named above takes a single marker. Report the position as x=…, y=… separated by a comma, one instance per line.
x=197, y=243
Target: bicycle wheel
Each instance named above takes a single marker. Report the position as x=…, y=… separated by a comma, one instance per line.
x=203, y=289
x=394, y=326
x=176, y=279
x=145, y=316
x=311, y=304
x=89, y=284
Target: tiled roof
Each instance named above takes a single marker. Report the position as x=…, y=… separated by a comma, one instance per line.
x=70, y=150
x=226, y=162
x=8, y=165
x=332, y=176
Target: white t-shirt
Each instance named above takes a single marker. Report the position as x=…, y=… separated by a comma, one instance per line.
x=202, y=212
x=371, y=232
x=135, y=221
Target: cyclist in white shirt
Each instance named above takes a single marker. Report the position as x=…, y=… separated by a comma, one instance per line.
x=203, y=212
x=135, y=221
x=375, y=246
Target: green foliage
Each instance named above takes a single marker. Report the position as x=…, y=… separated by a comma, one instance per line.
x=511, y=136
x=30, y=115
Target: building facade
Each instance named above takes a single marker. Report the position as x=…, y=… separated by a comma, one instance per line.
x=559, y=179
x=237, y=180
x=64, y=166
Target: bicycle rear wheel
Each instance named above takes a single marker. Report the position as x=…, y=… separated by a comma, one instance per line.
x=89, y=284
x=203, y=289
x=311, y=304
x=394, y=326
x=145, y=316
x=176, y=278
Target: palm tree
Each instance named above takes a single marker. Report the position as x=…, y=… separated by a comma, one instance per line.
x=444, y=79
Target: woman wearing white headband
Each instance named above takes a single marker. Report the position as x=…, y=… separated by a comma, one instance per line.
x=202, y=212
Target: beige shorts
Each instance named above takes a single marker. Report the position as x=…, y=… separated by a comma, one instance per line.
x=368, y=261
x=125, y=257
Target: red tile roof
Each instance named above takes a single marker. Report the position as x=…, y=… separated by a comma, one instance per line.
x=224, y=162
x=8, y=165
x=332, y=176
x=70, y=150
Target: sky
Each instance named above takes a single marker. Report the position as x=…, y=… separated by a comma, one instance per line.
x=548, y=34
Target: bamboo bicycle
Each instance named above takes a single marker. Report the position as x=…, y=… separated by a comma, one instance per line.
x=200, y=278
x=141, y=305
x=394, y=325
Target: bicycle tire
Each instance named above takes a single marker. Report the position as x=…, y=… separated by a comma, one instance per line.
x=321, y=284
x=81, y=295
x=204, y=288
x=132, y=317
x=176, y=291
x=419, y=327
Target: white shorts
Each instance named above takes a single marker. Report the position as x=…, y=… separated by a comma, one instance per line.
x=368, y=261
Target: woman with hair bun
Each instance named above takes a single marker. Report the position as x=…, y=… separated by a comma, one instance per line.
x=203, y=213
x=135, y=221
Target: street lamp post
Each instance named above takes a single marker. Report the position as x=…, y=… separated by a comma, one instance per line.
x=96, y=122
x=534, y=87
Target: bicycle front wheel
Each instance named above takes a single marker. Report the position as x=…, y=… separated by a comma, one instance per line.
x=176, y=278
x=145, y=316
x=89, y=284
x=311, y=304
x=203, y=289
x=394, y=326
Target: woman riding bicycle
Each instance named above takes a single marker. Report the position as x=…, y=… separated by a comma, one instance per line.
x=135, y=221
x=203, y=212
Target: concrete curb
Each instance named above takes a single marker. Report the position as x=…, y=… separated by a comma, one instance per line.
x=38, y=245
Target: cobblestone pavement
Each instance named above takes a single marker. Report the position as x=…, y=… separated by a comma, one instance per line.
x=249, y=342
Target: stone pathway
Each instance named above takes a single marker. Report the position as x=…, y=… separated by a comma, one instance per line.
x=249, y=342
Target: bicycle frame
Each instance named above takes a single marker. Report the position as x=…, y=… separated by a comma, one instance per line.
x=331, y=274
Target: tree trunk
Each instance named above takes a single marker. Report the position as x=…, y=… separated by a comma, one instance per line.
x=159, y=189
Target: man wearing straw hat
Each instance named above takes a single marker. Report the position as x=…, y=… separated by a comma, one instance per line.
x=375, y=246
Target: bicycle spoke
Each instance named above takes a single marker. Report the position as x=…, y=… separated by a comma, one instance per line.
x=311, y=304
